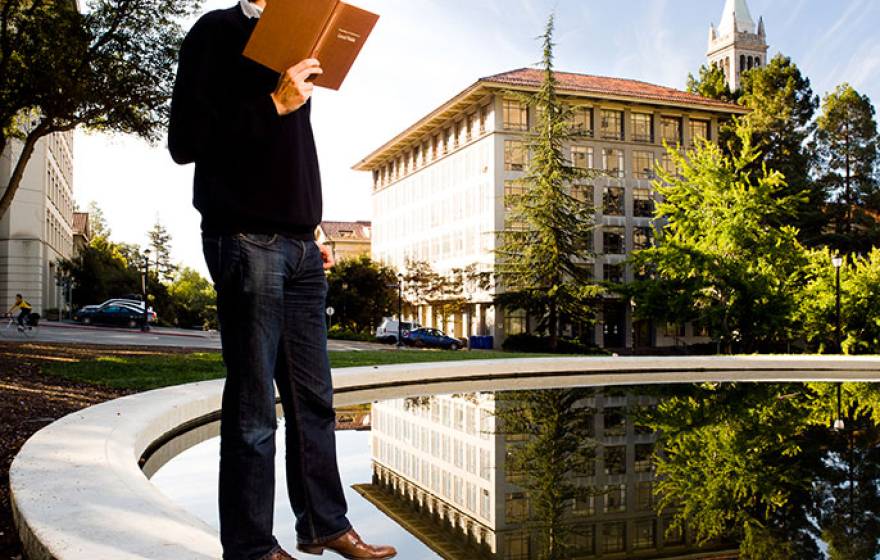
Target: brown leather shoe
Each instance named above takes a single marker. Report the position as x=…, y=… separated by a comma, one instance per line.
x=351, y=546
x=279, y=554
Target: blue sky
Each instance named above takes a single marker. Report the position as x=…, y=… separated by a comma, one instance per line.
x=425, y=51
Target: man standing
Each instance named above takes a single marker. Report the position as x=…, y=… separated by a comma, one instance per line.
x=257, y=187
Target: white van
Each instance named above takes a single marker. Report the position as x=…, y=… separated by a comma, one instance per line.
x=388, y=329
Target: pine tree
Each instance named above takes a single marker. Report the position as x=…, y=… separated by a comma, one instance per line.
x=160, y=244
x=847, y=147
x=540, y=257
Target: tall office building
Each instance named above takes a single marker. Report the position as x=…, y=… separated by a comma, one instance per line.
x=737, y=44
x=37, y=230
x=439, y=188
x=441, y=468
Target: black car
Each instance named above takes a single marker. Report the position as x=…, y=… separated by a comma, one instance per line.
x=111, y=315
x=431, y=338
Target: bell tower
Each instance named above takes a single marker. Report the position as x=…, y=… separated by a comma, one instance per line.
x=737, y=44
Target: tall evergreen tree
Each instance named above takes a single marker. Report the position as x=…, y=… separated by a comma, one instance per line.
x=160, y=244
x=540, y=263
x=782, y=106
x=847, y=146
x=711, y=83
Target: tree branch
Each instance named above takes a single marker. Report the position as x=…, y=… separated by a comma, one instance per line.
x=26, y=152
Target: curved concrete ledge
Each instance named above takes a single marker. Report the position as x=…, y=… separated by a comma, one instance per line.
x=78, y=493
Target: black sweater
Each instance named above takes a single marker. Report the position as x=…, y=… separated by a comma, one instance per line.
x=255, y=172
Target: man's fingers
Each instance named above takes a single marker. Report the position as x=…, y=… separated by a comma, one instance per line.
x=304, y=64
x=306, y=74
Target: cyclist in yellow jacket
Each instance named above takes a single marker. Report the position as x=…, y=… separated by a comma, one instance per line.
x=24, y=310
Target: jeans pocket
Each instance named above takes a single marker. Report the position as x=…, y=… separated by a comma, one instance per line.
x=259, y=239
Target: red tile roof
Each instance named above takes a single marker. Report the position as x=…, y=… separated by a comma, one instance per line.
x=355, y=231
x=533, y=77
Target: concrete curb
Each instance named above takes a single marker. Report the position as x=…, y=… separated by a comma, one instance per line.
x=77, y=491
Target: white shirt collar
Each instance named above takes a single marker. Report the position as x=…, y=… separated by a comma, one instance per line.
x=250, y=10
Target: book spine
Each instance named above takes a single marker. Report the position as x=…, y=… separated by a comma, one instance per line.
x=327, y=28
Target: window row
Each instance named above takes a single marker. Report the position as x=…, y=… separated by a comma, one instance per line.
x=613, y=199
x=434, y=147
x=607, y=538
x=613, y=160
x=612, y=124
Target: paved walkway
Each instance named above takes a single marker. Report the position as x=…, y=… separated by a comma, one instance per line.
x=73, y=333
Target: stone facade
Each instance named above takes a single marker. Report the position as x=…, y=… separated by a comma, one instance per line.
x=37, y=231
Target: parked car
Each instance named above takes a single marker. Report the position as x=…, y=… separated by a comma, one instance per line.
x=134, y=304
x=431, y=338
x=387, y=329
x=111, y=315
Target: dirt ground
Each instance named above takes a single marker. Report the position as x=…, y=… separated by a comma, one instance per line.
x=29, y=400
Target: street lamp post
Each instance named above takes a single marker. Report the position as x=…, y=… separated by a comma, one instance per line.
x=399, y=309
x=837, y=261
x=146, y=326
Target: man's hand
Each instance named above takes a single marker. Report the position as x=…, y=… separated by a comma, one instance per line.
x=326, y=256
x=294, y=87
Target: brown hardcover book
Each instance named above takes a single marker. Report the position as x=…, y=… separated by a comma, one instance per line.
x=292, y=30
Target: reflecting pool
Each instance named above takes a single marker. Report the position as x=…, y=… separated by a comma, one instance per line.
x=709, y=471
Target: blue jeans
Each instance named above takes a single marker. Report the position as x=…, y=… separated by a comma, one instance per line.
x=271, y=293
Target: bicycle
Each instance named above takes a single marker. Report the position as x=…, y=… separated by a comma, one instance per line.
x=30, y=328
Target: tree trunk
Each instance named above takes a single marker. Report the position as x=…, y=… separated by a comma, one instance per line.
x=27, y=151
x=553, y=325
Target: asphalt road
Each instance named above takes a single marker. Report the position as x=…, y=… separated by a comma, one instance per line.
x=73, y=333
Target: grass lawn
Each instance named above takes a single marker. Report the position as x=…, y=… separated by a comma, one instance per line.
x=141, y=373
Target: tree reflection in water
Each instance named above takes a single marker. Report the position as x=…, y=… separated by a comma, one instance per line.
x=763, y=465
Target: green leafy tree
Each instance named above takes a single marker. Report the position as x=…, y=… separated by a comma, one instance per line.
x=711, y=83
x=110, y=68
x=160, y=245
x=847, y=146
x=97, y=221
x=549, y=445
x=194, y=299
x=781, y=107
x=859, y=303
x=361, y=292
x=720, y=258
x=540, y=257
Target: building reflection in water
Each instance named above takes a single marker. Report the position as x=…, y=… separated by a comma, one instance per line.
x=463, y=473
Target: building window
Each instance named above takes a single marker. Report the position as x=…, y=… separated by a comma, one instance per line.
x=672, y=534
x=645, y=536
x=612, y=240
x=643, y=204
x=582, y=121
x=485, y=469
x=613, y=201
x=615, y=460
x=668, y=164
x=515, y=322
x=674, y=329
x=615, y=498
x=516, y=507
x=582, y=157
x=582, y=193
x=611, y=125
x=670, y=130
x=642, y=127
x=645, y=496
x=644, y=458
x=642, y=238
x=584, y=541
x=484, y=117
x=699, y=129
x=612, y=162
x=643, y=164
x=485, y=505
x=613, y=422
x=514, y=155
x=614, y=537
x=517, y=547
x=584, y=505
x=516, y=115
x=613, y=273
